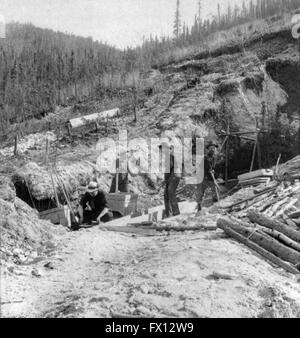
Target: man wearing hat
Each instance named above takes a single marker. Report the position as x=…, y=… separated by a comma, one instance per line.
x=93, y=207
x=210, y=161
x=172, y=180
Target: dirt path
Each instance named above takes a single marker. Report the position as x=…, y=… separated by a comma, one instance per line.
x=98, y=273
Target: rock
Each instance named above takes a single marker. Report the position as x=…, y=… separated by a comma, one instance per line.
x=143, y=310
x=49, y=266
x=36, y=273
x=7, y=190
x=144, y=289
x=11, y=269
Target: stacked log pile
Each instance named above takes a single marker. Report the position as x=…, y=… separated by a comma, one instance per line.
x=268, y=221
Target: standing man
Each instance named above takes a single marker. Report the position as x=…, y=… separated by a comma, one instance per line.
x=172, y=180
x=93, y=207
x=210, y=161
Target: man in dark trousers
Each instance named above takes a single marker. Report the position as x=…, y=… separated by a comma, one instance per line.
x=93, y=207
x=172, y=181
x=210, y=161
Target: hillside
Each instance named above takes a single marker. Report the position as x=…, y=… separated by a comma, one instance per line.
x=188, y=267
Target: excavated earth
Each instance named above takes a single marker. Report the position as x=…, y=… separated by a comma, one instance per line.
x=47, y=271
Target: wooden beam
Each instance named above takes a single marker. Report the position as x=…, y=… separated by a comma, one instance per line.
x=253, y=157
x=16, y=146
x=259, y=153
x=227, y=157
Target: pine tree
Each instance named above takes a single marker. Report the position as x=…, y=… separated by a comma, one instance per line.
x=177, y=21
x=199, y=11
x=219, y=14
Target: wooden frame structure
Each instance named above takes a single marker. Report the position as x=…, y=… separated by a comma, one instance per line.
x=256, y=149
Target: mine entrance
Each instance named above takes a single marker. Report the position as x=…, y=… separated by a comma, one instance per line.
x=24, y=194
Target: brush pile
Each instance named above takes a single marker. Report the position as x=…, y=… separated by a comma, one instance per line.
x=267, y=219
x=38, y=180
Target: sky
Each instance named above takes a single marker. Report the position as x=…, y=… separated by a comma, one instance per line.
x=120, y=23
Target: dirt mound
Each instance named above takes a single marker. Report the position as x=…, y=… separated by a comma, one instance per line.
x=23, y=234
x=34, y=183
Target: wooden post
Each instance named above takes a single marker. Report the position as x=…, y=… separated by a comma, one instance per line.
x=117, y=176
x=16, y=146
x=47, y=152
x=258, y=146
x=227, y=156
x=253, y=156
x=54, y=190
x=259, y=153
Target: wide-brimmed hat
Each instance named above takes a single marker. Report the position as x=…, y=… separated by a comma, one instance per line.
x=92, y=187
x=211, y=144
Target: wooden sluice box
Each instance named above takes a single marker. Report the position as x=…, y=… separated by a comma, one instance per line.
x=60, y=215
x=123, y=203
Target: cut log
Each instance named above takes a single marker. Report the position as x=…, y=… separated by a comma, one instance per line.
x=266, y=254
x=289, y=222
x=295, y=214
x=256, y=217
x=268, y=243
x=88, y=119
x=282, y=238
x=276, y=206
x=258, y=201
x=286, y=207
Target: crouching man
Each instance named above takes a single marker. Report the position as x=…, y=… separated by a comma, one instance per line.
x=93, y=207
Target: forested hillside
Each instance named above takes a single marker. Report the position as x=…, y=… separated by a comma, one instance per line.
x=41, y=69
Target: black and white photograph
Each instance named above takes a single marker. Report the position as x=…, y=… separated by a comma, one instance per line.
x=149, y=161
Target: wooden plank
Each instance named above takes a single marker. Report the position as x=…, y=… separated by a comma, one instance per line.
x=57, y=216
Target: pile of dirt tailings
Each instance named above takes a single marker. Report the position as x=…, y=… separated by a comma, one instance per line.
x=23, y=234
